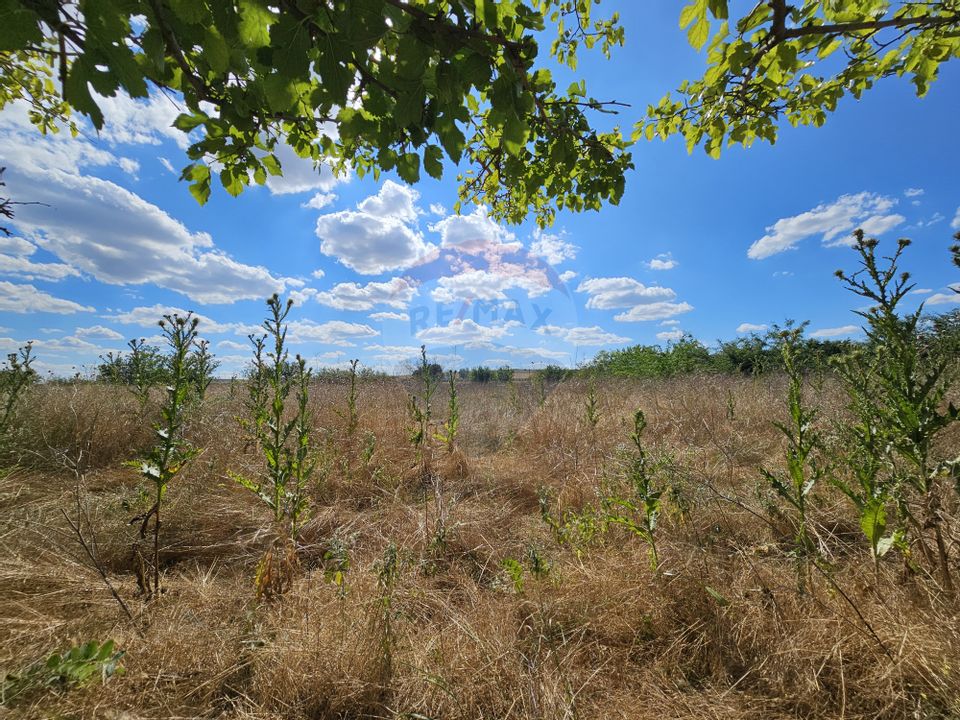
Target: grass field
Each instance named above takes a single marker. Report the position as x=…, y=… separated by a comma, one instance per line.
x=446, y=594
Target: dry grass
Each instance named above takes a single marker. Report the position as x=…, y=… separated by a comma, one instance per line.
x=599, y=636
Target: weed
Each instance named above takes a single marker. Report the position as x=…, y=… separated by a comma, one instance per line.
x=168, y=457
x=898, y=393
x=448, y=430
x=62, y=672
x=286, y=446
x=15, y=377
x=202, y=366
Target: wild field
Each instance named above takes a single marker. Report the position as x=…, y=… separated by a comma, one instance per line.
x=450, y=595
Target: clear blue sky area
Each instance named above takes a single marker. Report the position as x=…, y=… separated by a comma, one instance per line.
x=712, y=248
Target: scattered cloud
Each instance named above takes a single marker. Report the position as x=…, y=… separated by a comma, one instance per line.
x=921, y=291
x=149, y=316
x=663, y=261
x=835, y=332
x=653, y=311
x=832, y=221
x=621, y=292
x=22, y=299
x=913, y=192
x=98, y=332
x=319, y=201
x=233, y=345
x=670, y=335
x=318, y=273
x=465, y=332
x=381, y=316
x=568, y=275
x=490, y=285
x=948, y=298
x=751, y=328
x=476, y=234
x=955, y=223
x=377, y=237
x=552, y=248
x=594, y=335
x=397, y=293
x=438, y=209
x=168, y=165
x=301, y=175
x=332, y=332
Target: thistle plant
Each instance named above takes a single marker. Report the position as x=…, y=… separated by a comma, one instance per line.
x=202, y=365
x=421, y=413
x=353, y=419
x=803, y=442
x=167, y=458
x=141, y=379
x=286, y=446
x=591, y=408
x=256, y=401
x=898, y=392
x=640, y=513
x=448, y=430
x=16, y=376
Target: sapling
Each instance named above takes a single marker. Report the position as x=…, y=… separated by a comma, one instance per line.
x=168, y=457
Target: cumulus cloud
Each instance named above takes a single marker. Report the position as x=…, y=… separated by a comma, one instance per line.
x=552, y=248
x=300, y=174
x=955, y=223
x=835, y=331
x=913, y=192
x=397, y=292
x=663, y=261
x=594, y=335
x=476, y=234
x=149, y=316
x=568, y=275
x=379, y=236
x=831, y=221
x=319, y=201
x=488, y=285
x=333, y=332
x=750, y=328
x=670, y=335
x=22, y=299
x=621, y=292
x=465, y=332
x=15, y=259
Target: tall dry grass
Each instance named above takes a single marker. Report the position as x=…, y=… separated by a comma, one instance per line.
x=720, y=632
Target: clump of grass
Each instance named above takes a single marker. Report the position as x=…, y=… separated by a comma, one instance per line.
x=61, y=672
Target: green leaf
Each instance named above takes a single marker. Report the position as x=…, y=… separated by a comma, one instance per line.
x=433, y=161
x=216, y=50
x=18, y=26
x=76, y=91
x=408, y=167
x=698, y=34
x=255, y=21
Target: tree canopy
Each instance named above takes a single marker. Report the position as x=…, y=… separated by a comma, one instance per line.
x=379, y=85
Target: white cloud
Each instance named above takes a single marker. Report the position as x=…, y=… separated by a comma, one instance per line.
x=465, y=332
x=145, y=316
x=317, y=274
x=921, y=291
x=913, y=192
x=378, y=236
x=594, y=335
x=750, y=328
x=835, y=332
x=568, y=275
x=381, y=316
x=491, y=284
x=829, y=220
x=476, y=234
x=396, y=292
x=945, y=298
x=537, y=352
x=28, y=299
x=319, y=201
x=663, y=261
x=552, y=248
x=393, y=353
x=145, y=121
x=438, y=209
x=98, y=332
x=670, y=335
x=621, y=292
x=14, y=260
x=955, y=223
x=168, y=165
x=119, y=238
x=332, y=332
x=653, y=311
x=300, y=175
x=233, y=345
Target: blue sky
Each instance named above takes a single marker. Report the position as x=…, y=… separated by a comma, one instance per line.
x=699, y=246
